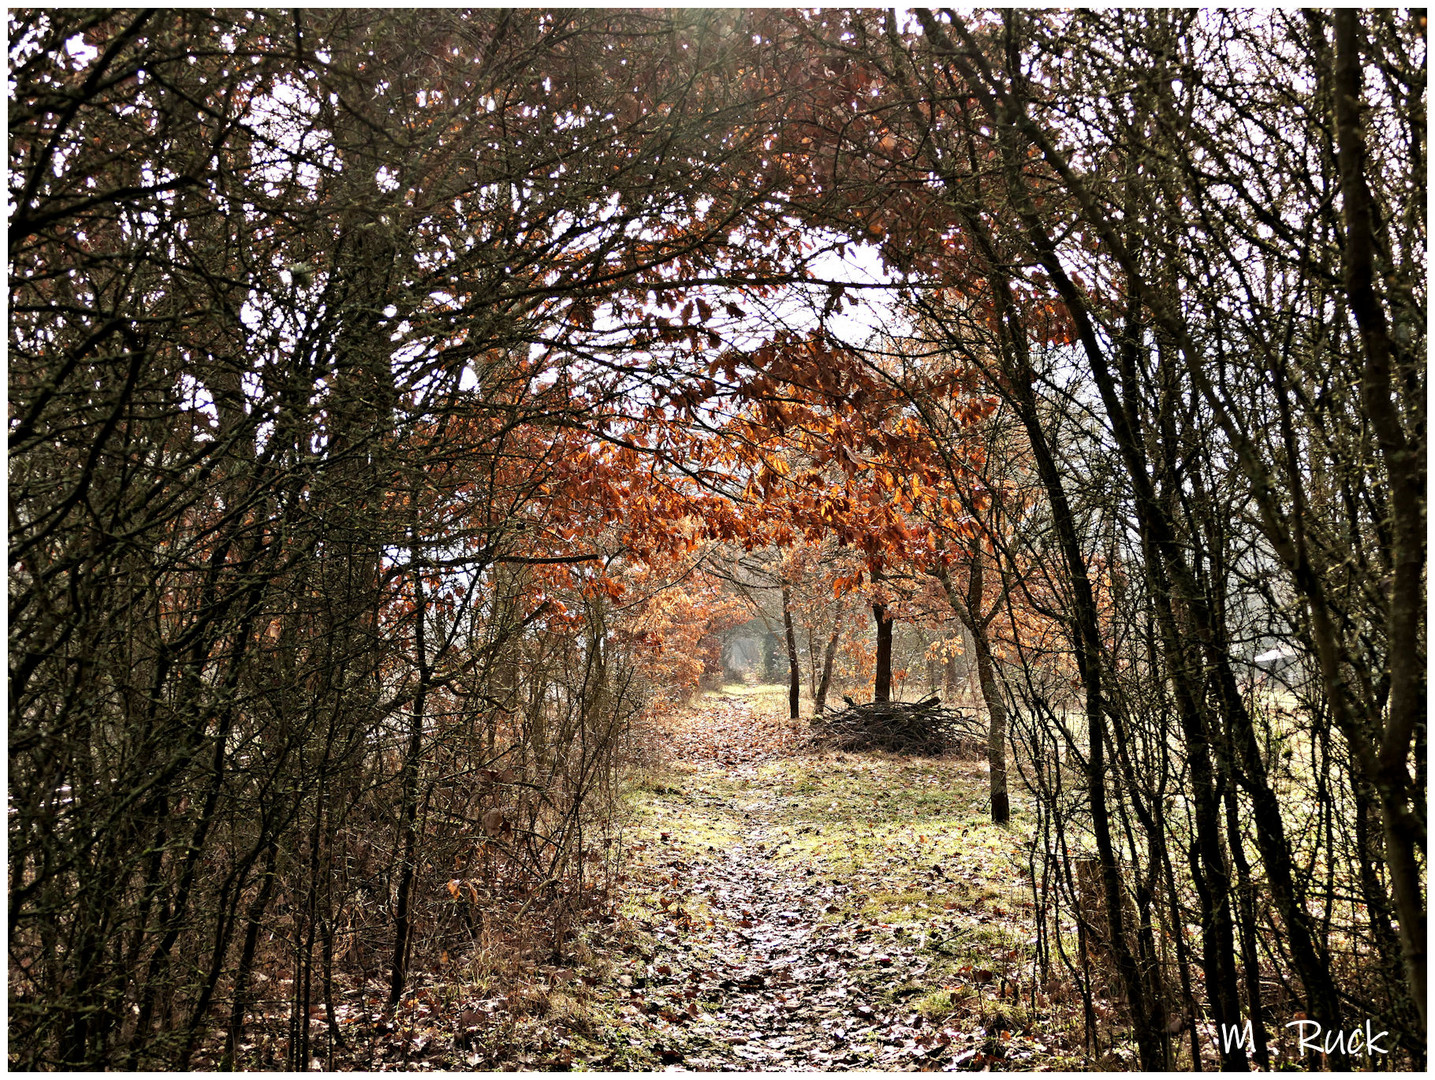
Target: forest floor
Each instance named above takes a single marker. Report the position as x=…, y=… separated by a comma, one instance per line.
x=801, y=909
x=791, y=908
x=784, y=907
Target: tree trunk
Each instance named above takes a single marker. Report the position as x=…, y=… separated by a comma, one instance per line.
x=991, y=692
x=882, y=682
x=1250, y=953
x=1085, y=628
x=1404, y=460
x=408, y=810
x=969, y=610
x=996, y=725
x=794, y=671
x=820, y=701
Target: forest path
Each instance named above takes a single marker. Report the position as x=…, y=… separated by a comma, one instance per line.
x=787, y=908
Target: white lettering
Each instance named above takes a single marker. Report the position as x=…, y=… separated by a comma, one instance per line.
x=1235, y=1035
x=1370, y=1040
x=1351, y=1042
x=1307, y=1044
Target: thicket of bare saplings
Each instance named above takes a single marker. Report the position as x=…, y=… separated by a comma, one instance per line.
x=305, y=684
x=400, y=402
x=1229, y=436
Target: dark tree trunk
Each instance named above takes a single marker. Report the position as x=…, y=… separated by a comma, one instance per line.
x=794, y=671
x=882, y=683
x=254, y=918
x=408, y=867
x=969, y=610
x=1086, y=638
x=1250, y=953
x=1404, y=460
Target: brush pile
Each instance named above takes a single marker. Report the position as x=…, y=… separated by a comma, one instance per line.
x=900, y=727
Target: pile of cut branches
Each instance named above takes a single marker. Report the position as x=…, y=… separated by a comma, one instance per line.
x=900, y=727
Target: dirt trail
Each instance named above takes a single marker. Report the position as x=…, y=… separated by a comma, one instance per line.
x=795, y=910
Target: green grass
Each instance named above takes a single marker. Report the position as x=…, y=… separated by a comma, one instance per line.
x=911, y=835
